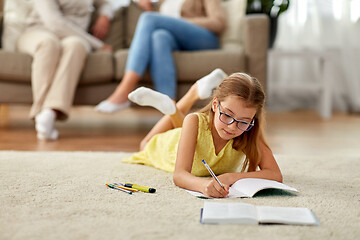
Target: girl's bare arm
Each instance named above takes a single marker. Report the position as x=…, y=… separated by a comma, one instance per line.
x=269, y=169
x=185, y=155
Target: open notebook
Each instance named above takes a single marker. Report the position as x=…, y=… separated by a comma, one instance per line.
x=248, y=187
x=243, y=213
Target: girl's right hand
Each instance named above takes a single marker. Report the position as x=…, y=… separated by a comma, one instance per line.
x=213, y=189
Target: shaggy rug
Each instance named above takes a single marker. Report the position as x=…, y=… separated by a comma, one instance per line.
x=62, y=195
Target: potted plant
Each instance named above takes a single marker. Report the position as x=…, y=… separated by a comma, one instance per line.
x=272, y=8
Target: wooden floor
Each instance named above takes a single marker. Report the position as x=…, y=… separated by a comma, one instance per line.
x=296, y=132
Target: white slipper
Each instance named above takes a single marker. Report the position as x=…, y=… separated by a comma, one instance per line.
x=109, y=107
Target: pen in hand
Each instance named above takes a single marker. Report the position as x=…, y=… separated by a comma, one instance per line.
x=212, y=173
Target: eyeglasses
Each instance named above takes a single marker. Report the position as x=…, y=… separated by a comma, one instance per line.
x=227, y=119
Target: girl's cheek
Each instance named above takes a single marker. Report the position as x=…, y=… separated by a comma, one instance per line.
x=240, y=134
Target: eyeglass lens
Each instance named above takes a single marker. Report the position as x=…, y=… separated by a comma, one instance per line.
x=229, y=120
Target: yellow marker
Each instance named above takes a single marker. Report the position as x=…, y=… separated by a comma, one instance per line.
x=140, y=188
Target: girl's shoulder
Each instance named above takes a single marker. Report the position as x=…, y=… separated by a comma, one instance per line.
x=202, y=120
x=196, y=119
x=200, y=117
x=192, y=117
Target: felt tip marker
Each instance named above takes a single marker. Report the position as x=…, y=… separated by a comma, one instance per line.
x=122, y=186
x=140, y=188
x=117, y=188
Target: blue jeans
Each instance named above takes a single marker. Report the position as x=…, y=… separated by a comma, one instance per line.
x=156, y=37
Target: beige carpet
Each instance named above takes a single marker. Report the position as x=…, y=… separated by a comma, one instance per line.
x=62, y=195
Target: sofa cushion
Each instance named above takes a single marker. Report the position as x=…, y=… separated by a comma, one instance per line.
x=232, y=37
x=132, y=15
x=120, y=58
x=192, y=65
x=15, y=66
x=15, y=92
x=1, y=27
x=98, y=68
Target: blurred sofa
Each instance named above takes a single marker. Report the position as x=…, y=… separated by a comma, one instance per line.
x=103, y=70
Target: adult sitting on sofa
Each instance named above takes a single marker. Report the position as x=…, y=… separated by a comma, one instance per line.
x=180, y=25
x=243, y=48
x=56, y=37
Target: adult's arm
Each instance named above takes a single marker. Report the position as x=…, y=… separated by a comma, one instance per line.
x=215, y=19
x=53, y=18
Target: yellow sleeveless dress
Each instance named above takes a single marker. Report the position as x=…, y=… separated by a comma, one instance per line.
x=160, y=152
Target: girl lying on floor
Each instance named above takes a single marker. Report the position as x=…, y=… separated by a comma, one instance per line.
x=228, y=133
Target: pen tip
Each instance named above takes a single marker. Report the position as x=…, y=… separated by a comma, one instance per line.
x=203, y=161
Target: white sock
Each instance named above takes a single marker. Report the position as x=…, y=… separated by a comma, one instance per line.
x=209, y=82
x=109, y=107
x=148, y=97
x=52, y=136
x=45, y=123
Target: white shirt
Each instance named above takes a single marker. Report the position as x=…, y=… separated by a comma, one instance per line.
x=171, y=8
x=68, y=17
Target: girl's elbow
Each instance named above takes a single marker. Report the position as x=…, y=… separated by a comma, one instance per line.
x=279, y=177
x=176, y=179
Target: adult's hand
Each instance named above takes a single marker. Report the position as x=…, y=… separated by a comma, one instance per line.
x=106, y=47
x=101, y=27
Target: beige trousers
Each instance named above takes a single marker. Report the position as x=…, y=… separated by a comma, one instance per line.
x=56, y=68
